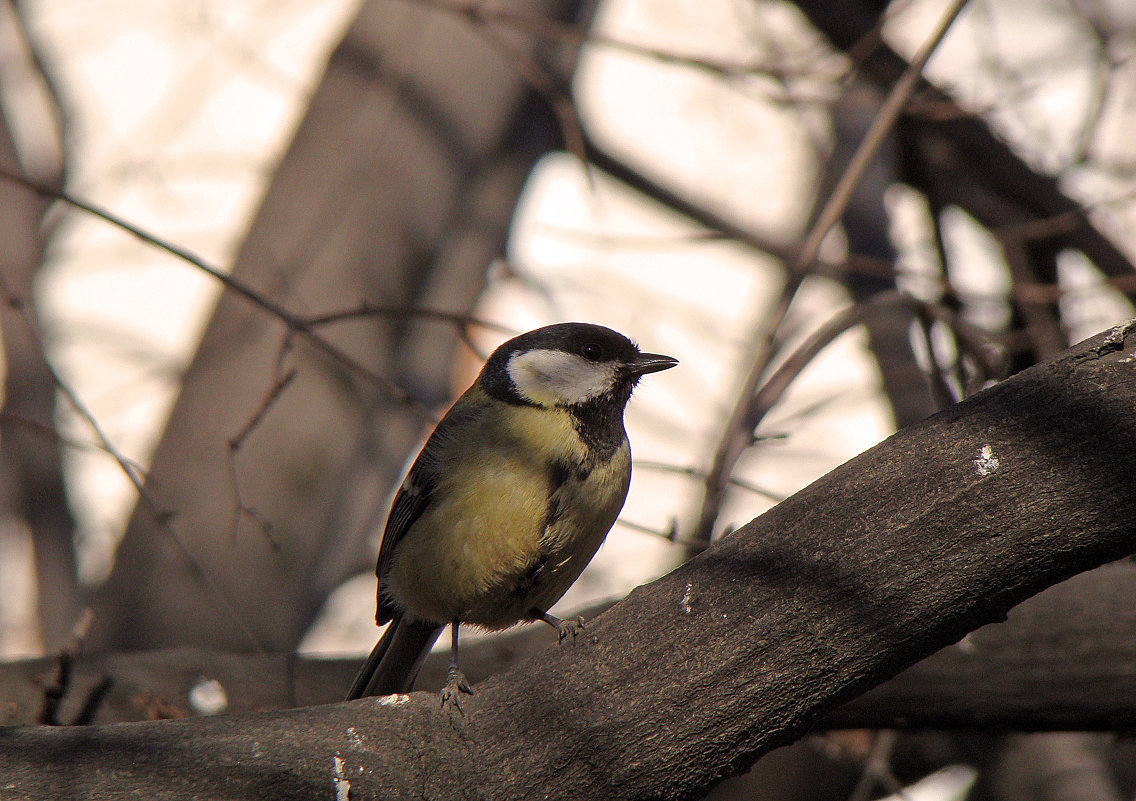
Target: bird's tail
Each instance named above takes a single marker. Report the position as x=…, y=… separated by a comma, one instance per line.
x=395, y=660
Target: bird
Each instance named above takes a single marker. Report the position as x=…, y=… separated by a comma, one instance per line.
x=509, y=499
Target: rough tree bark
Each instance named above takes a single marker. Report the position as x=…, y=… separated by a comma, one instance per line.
x=1062, y=661
x=899, y=552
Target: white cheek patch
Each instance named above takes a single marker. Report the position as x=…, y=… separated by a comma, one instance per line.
x=551, y=377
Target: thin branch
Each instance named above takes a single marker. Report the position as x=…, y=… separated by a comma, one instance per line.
x=773, y=388
x=366, y=309
x=292, y=322
x=670, y=534
x=162, y=517
x=51, y=432
x=1097, y=104
x=943, y=391
x=553, y=88
x=874, y=138
x=737, y=434
x=694, y=472
x=552, y=30
x=240, y=508
x=1040, y=319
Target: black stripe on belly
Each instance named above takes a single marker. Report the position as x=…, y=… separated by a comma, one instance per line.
x=559, y=474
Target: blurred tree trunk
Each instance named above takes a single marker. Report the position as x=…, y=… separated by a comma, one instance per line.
x=397, y=190
x=31, y=476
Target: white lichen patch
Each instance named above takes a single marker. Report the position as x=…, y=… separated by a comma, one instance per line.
x=986, y=462
x=208, y=697
x=340, y=780
x=1118, y=333
x=685, y=602
x=394, y=699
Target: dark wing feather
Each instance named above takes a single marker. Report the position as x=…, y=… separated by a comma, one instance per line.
x=416, y=491
x=411, y=500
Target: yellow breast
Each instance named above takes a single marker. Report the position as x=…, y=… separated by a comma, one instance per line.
x=486, y=550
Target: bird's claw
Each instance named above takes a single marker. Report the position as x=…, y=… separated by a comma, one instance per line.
x=569, y=628
x=456, y=684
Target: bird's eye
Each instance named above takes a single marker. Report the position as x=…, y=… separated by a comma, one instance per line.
x=592, y=352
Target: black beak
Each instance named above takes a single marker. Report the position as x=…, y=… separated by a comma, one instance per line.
x=651, y=363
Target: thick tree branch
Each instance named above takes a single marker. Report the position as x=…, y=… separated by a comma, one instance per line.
x=1061, y=661
x=892, y=556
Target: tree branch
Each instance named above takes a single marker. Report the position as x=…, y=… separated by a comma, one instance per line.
x=1014, y=675
x=899, y=552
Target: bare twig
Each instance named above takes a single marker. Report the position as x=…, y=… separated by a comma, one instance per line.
x=162, y=517
x=292, y=322
x=773, y=388
x=694, y=472
x=737, y=435
x=553, y=30
x=51, y=432
x=1097, y=103
x=236, y=442
x=374, y=310
x=670, y=534
x=1039, y=318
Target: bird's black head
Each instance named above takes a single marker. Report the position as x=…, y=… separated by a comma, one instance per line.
x=569, y=365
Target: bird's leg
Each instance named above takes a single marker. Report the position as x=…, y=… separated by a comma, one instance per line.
x=455, y=679
x=564, y=628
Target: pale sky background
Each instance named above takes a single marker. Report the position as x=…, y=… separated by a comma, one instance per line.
x=181, y=111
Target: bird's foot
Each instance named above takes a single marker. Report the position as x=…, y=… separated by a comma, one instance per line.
x=456, y=684
x=565, y=628
x=569, y=628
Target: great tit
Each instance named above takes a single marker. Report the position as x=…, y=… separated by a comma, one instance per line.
x=509, y=499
